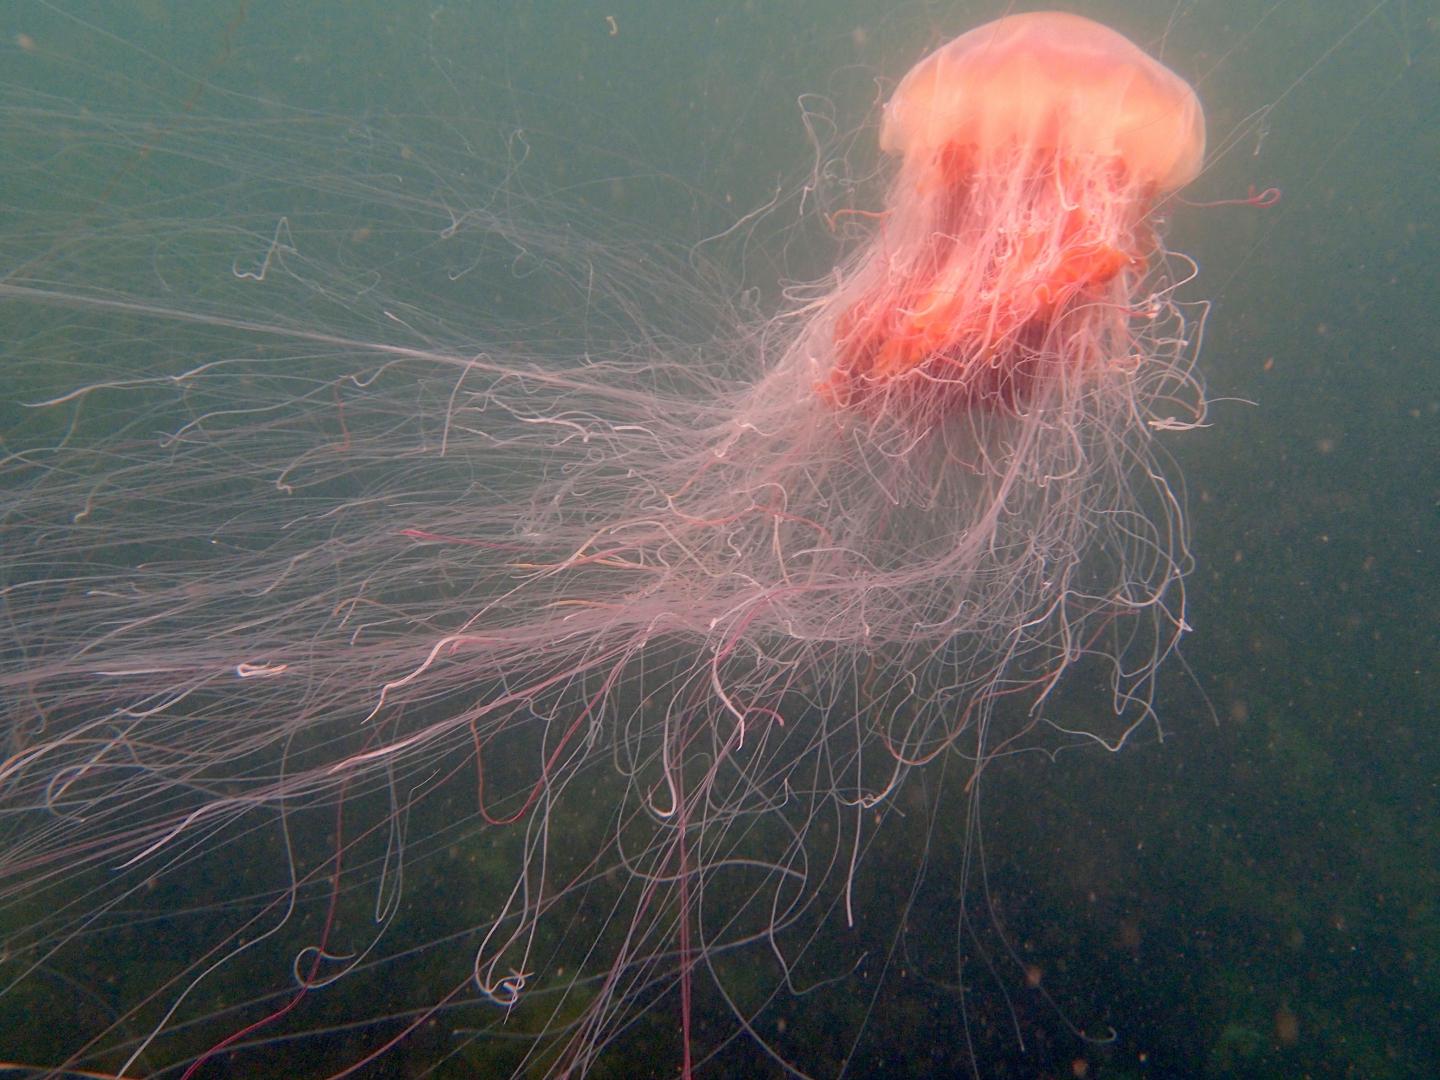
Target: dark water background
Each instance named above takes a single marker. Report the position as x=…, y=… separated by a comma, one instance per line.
x=1256, y=895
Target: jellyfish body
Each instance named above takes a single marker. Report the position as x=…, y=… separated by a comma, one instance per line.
x=638, y=653
x=1033, y=149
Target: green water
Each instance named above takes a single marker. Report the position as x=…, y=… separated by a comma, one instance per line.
x=1253, y=896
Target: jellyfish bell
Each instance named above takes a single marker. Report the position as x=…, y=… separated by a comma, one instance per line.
x=1032, y=151
x=1053, y=83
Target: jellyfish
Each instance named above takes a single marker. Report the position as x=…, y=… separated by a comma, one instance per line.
x=614, y=661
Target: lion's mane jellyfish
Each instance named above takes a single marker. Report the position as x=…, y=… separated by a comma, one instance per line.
x=553, y=695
